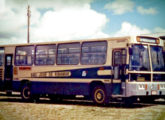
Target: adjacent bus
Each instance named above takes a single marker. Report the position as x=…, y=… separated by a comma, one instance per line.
x=163, y=38
x=99, y=69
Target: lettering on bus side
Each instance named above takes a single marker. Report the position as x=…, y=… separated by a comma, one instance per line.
x=51, y=74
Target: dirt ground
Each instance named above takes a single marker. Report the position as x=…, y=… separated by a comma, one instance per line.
x=12, y=108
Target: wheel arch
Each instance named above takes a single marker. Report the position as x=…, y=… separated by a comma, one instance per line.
x=25, y=86
x=99, y=87
x=93, y=84
x=24, y=82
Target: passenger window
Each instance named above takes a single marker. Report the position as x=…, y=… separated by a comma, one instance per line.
x=45, y=55
x=68, y=54
x=9, y=61
x=1, y=56
x=24, y=55
x=119, y=62
x=94, y=53
x=119, y=57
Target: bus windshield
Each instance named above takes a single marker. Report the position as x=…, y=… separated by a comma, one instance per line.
x=157, y=58
x=139, y=58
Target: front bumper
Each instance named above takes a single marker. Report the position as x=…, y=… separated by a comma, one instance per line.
x=145, y=89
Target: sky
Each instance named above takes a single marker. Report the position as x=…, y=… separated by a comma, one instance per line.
x=58, y=20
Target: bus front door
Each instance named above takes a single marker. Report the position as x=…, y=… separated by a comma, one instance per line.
x=119, y=65
x=8, y=77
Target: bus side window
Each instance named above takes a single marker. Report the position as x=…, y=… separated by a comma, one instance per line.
x=68, y=54
x=1, y=59
x=94, y=53
x=116, y=63
x=1, y=56
x=24, y=55
x=45, y=54
x=119, y=62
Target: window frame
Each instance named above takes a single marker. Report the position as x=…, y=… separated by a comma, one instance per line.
x=67, y=53
x=46, y=54
x=120, y=50
x=15, y=55
x=148, y=58
x=3, y=61
x=95, y=52
x=152, y=57
x=138, y=72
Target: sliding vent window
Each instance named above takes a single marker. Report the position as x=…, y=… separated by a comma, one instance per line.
x=68, y=54
x=24, y=55
x=45, y=55
x=94, y=53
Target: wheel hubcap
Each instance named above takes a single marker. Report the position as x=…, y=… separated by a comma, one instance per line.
x=99, y=95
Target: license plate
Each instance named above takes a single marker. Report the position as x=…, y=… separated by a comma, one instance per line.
x=153, y=92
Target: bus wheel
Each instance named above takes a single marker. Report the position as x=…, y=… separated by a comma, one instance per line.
x=26, y=93
x=99, y=95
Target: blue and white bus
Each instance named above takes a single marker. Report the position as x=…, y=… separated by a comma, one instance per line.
x=99, y=69
x=163, y=38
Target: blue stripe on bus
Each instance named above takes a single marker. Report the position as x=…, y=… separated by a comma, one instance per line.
x=77, y=73
x=66, y=88
x=90, y=73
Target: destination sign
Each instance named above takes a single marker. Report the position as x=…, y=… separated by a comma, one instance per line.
x=147, y=40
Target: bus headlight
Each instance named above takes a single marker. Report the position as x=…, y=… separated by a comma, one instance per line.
x=143, y=86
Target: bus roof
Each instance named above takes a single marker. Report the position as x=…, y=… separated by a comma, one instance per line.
x=67, y=41
x=82, y=40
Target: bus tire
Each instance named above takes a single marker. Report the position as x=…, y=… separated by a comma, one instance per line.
x=99, y=95
x=26, y=93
